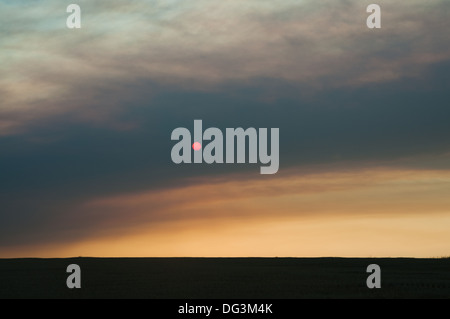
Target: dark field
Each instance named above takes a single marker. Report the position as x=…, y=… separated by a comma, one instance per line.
x=225, y=278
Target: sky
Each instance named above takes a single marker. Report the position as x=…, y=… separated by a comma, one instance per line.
x=86, y=117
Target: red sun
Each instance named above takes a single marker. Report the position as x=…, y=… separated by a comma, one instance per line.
x=197, y=146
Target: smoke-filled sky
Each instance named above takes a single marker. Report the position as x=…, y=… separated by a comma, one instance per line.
x=86, y=117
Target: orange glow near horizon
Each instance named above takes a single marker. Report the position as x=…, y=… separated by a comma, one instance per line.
x=359, y=213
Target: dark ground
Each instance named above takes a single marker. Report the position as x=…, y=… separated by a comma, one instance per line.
x=225, y=278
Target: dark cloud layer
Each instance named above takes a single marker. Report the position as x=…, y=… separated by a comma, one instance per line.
x=55, y=167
